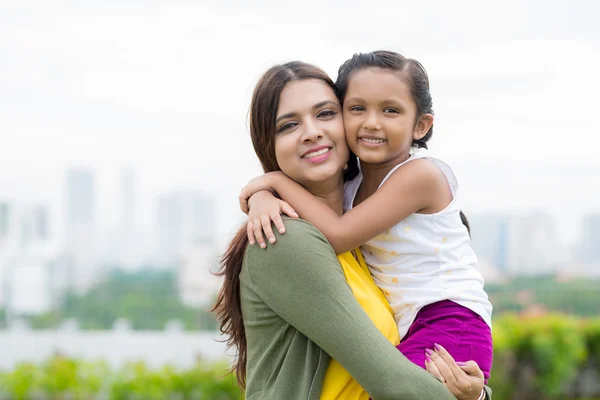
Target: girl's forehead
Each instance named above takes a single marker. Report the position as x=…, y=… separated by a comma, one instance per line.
x=378, y=82
x=377, y=75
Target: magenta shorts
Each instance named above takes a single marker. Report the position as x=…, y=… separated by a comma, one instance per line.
x=462, y=332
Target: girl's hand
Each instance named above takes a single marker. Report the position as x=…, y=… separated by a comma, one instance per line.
x=264, y=208
x=464, y=380
x=262, y=182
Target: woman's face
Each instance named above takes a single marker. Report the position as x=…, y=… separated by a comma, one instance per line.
x=310, y=144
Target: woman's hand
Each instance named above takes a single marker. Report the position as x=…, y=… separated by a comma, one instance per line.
x=464, y=380
x=262, y=182
x=264, y=208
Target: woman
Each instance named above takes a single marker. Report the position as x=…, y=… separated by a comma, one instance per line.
x=308, y=324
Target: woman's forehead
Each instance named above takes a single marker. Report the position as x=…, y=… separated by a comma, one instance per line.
x=304, y=94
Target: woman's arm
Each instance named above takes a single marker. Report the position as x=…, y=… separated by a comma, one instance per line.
x=409, y=189
x=300, y=278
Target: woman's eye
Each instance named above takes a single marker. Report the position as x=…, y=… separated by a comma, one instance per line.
x=286, y=126
x=326, y=113
x=357, y=108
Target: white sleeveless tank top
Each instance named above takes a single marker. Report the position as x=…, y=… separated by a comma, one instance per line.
x=425, y=258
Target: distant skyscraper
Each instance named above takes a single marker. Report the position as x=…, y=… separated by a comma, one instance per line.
x=128, y=190
x=185, y=219
x=128, y=246
x=34, y=225
x=519, y=244
x=81, y=199
x=490, y=238
x=81, y=228
x=589, y=251
x=4, y=220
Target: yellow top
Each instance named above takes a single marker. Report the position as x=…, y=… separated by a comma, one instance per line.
x=338, y=383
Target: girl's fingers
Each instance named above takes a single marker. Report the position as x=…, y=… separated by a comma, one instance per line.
x=288, y=210
x=243, y=199
x=276, y=218
x=267, y=228
x=258, y=233
x=250, y=232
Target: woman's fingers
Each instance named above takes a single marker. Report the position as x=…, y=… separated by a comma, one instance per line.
x=471, y=368
x=449, y=360
x=433, y=370
x=443, y=366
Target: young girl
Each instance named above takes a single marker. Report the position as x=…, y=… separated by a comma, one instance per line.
x=402, y=209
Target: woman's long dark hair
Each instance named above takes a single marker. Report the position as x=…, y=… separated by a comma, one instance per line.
x=263, y=112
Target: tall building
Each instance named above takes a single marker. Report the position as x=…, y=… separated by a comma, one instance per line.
x=518, y=244
x=34, y=225
x=196, y=284
x=81, y=228
x=80, y=199
x=4, y=221
x=490, y=238
x=30, y=263
x=128, y=236
x=185, y=219
x=589, y=251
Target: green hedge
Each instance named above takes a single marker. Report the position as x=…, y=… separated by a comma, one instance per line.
x=540, y=357
x=535, y=357
x=64, y=378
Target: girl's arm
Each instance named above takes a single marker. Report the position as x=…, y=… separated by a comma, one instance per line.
x=409, y=189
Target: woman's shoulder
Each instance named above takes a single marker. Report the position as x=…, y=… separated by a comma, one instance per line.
x=300, y=236
x=301, y=250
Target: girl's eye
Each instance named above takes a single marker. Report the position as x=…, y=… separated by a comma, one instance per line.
x=357, y=108
x=326, y=113
x=287, y=126
x=391, y=110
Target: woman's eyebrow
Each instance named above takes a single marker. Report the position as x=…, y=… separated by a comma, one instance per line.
x=284, y=116
x=318, y=105
x=321, y=104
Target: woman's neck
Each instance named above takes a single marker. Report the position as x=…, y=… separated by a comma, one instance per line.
x=330, y=192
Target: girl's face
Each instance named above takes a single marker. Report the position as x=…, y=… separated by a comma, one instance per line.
x=380, y=117
x=310, y=145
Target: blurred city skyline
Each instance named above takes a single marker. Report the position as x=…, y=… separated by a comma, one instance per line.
x=164, y=88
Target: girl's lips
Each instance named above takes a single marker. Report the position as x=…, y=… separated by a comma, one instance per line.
x=320, y=158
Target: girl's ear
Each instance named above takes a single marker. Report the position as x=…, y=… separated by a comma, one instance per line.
x=422, y=126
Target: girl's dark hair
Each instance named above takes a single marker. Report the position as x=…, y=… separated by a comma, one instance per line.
x=263, y=112
x=411, y=70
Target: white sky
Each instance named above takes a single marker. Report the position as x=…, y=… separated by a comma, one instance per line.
x=164, y=86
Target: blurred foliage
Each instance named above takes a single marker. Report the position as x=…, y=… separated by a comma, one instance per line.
x=539, y=356
x=578, y=297
x=64, y=378
x=147, y=299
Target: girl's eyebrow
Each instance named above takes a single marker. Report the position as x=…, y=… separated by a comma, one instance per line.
x=316, y=106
